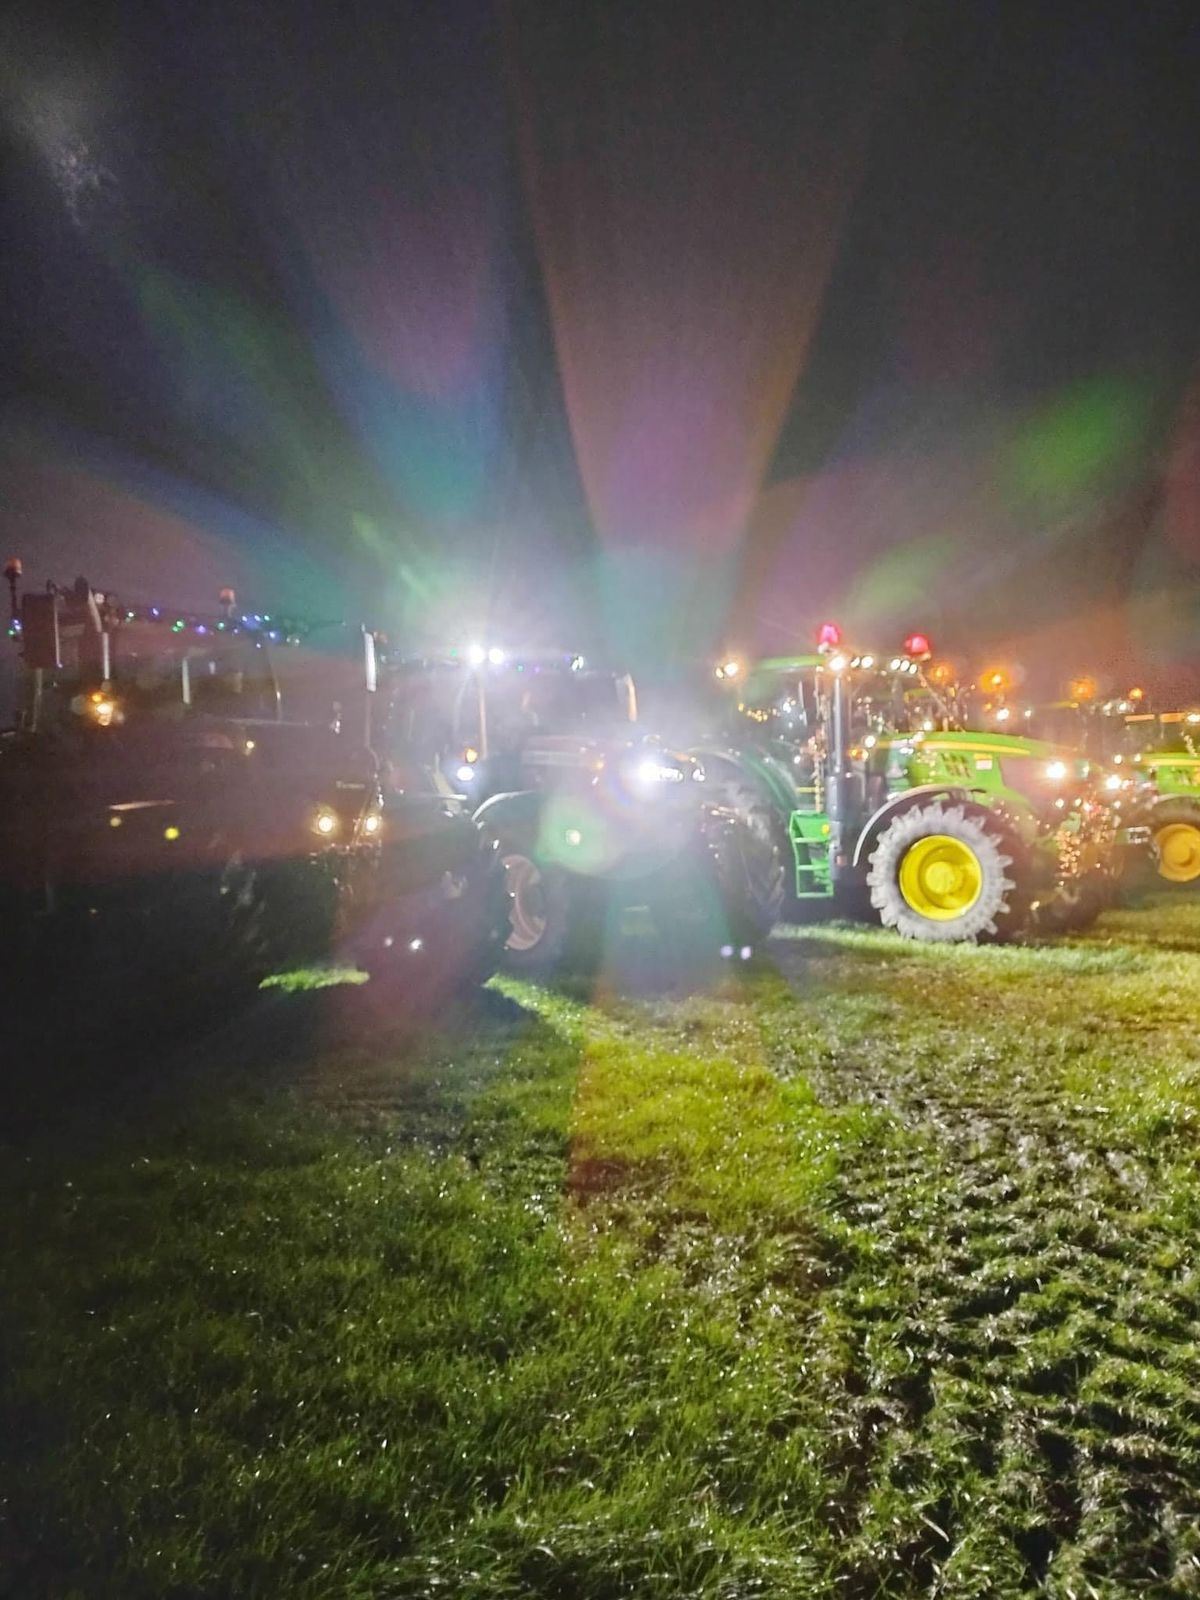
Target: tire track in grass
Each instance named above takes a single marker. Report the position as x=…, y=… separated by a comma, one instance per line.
x=692, y=1179
x=1011, y=1268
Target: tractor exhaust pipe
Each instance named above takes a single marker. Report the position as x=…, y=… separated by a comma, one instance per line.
x=836, y=793
x=12, y=574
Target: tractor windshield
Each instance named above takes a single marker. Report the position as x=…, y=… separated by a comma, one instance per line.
x=782, y=698
x=445, y=708
x=1175, y=733
x=163, y=677
x=1065, y=724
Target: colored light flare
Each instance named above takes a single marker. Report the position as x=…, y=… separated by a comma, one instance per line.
x=132, y=530
x=682, y=302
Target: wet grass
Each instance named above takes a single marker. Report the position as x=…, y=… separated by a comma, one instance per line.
x=867, y=1272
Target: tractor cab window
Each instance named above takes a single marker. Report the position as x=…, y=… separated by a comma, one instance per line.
x=561, y=699
x=168, y=678
x=518, y=701
x=1175, y=735
x=1130, y=736
x=1065, y=725
x=786, y=702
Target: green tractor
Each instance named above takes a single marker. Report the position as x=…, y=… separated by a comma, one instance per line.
x=889, y=807
x=1155, y=757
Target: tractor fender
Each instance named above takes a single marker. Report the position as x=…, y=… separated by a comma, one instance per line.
x=519, y=810
x=1152, y=809
x=897, y=804
x=759, y=772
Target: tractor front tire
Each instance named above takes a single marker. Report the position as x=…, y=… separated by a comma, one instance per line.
x=543, y=933
x=946, y=874
x=1175, y=835
x=727, y=892
x=753, y=872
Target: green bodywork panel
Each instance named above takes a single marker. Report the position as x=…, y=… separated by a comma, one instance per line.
x=998, y=767
x=1173, y=774
x=1175, y=771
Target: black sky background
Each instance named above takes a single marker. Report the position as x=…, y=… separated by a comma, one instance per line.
x=657, y=327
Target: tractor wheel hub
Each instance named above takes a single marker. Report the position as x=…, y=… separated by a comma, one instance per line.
x=941, y=877
x=1178, y=852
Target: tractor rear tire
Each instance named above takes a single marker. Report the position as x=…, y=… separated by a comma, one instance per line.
x=947, y=874
x=1074, y=908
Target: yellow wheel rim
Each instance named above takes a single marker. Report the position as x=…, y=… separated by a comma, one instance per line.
x=941, y=877
x=1178, y=852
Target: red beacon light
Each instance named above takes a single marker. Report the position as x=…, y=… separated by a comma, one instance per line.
x=829, y=636
x=917, y=647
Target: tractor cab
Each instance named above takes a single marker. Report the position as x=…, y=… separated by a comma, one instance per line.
x=485, y=719
x=90, y=660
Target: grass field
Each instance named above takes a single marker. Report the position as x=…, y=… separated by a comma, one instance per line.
x=870, y=1272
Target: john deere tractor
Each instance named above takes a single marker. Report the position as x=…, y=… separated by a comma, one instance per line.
x=1155, y=755
x=590, y=818
x=887, y=806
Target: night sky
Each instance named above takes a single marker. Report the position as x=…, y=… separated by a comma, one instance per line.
x=647, y=327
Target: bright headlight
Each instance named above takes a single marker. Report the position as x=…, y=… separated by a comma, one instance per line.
x=652, y=772
x=1113, y=782
x=467, y=773
x=372, y=822
x=1056, y=771
x=325, y=823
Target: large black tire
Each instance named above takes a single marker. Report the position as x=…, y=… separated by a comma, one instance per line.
x=1074, y=906
x=727, y=892
x=764, y=845
x=440, y=943
x=547, y=930
x=752, y=869
x=1174, y=861
x=916, y=891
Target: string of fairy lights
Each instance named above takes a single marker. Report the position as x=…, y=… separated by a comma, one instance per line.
x=115, y=613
